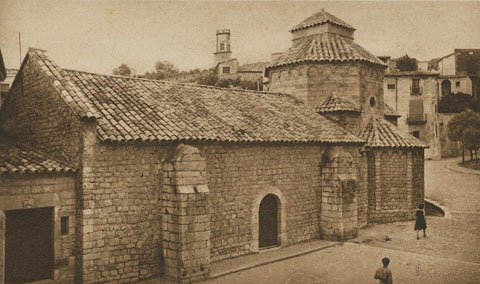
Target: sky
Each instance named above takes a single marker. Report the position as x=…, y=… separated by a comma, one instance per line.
x=98, y=36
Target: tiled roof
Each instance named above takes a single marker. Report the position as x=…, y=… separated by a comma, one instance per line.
x=389, y=111
x=380, y=133
x=396, y=73
x=319, y=18
x=326, y=47
x=134, y=109
x=18, y=158
x=67, y=90
x=253, y=67
x=333, y=103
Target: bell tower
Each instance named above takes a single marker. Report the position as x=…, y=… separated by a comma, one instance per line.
x=223, y=52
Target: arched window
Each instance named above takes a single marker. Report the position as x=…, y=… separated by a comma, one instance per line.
x=446, y=88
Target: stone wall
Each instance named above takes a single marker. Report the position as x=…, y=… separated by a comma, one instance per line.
x=339, y=219
x=418, y=178
x=320, y=29
x=239, y=174
x=185, y=216
x=371, y=87
x=395, y=184
x=313, y=83
x=120, y=210
x=290, y=80
x=35, y=113
x=326, y=79
x=44, y=190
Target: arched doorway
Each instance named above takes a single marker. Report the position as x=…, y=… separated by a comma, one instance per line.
x=268, y=222
x=446, y=88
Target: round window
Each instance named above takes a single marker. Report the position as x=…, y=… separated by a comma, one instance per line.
x=372, y=101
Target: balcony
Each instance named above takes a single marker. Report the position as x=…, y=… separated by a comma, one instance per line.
x=416, y=119
x=416, y=91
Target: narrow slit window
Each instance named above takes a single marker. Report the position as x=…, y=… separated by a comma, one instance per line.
x=64, y=225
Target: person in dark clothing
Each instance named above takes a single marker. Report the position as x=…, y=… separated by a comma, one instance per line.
x=420, y=223
x=383, y=273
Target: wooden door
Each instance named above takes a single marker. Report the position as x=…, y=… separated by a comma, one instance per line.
x=267, y=222
x=29, y=245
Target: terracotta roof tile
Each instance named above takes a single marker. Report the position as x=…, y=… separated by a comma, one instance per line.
x=134, y=109
x=333, y=103
x=380, y=133
x=326, y=47
x=66, y=89
x=319, y=18
x=19, y=158
x=253, y=67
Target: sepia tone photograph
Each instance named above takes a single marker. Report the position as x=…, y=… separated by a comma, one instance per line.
x=238, y=142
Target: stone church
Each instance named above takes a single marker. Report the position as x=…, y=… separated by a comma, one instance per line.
x=110, y=179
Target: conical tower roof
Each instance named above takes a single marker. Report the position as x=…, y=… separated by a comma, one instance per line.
x=320, y=18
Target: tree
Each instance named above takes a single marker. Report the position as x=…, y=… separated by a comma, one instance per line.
x=471, y=138
x=405, y=63
x=456, y=103
x=208, y=78
x=122, y=70
x=163, y=69
x=464, y=128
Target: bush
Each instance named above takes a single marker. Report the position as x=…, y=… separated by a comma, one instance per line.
x=456, y=103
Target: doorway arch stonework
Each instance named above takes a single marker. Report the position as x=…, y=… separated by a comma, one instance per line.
x=282, y=237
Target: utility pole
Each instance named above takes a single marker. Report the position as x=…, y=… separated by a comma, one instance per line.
x=20, y=48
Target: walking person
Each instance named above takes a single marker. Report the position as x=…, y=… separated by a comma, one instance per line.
x=420, y=223
x=383, y=273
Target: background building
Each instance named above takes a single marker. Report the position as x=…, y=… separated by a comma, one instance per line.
x=227, y=67
x=415, y=95
x=459, y=72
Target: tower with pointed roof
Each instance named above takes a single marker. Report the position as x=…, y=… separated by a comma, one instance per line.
x=323, y=60
x=329, y=72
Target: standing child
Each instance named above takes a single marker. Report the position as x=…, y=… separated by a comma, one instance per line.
x=383, y=273
x=420, y=223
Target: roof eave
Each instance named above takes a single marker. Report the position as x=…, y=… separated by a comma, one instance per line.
x=321, y=23
x=268, y=68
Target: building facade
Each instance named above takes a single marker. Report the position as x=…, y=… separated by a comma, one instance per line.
x=227, y=67
x=459, y=72
x=415, y=96
x=139, y=178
